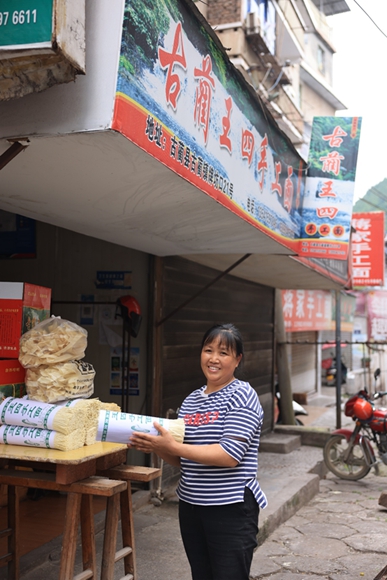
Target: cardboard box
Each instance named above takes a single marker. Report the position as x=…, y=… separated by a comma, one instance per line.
x=12, y=376
x=21, y=307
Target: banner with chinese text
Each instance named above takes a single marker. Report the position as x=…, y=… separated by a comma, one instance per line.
x=315, y=310
x=329, y=188
x=181, y=100
x=367, y=249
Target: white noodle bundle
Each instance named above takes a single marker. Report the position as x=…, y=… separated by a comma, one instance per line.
x=90, y=407
x=108, y=406
x=60, y=382
x=52, y=341
x=91, y=432
x=91, y=435
x=31, y=437
x=118, y=427
x=26, y=413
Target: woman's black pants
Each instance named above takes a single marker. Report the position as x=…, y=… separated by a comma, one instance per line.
x=220, y=540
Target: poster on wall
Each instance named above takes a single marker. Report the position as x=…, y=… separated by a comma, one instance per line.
x=116, y=371
x=113, y=280
x=86, y=310
x=329, y=187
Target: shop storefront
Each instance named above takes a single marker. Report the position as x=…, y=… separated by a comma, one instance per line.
x=151, y=175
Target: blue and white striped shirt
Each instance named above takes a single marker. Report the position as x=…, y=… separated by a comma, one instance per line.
x=220, y=417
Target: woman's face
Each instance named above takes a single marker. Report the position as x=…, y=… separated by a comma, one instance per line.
x=218, y=365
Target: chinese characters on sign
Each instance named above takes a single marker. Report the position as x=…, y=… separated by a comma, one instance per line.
x=368, y=249
x=377, y=315
x=307, y=310
x=187, y=107
x=327, y=204
x=315, y=310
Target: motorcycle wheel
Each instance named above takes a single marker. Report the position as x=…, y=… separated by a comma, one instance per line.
x=354, y=468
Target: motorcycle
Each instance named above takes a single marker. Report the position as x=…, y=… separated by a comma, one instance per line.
x=350, y=454
x=330, y=376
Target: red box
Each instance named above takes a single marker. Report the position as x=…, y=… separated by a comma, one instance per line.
x=12, y=376
x=21, y=307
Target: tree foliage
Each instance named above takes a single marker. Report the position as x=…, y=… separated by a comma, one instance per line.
x=145, y=21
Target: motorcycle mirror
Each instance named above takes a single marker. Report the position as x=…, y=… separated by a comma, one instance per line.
x=377, y=373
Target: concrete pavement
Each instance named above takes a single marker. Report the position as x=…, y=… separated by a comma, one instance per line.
x=341, y=533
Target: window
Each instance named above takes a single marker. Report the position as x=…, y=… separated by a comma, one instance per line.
x=321, y=60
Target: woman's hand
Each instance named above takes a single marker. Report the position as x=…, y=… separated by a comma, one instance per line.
x=160, y=444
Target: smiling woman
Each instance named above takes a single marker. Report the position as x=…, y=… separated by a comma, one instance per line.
x=219, y=493
x=219, y=360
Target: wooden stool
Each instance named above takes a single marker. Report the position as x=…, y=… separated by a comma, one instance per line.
x=128, y=473
x=79, y=509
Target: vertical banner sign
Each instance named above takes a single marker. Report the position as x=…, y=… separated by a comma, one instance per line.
x=368, y=260
x=377, y=315
x=181, y=100
x=329, y=187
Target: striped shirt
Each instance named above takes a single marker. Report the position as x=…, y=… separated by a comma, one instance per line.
x=232, y=412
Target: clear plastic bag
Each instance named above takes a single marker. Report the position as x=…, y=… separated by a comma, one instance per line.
x=67, y=380
x=52, y=341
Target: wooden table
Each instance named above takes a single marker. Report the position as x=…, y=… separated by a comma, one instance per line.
x=74, y=472
x=68, y=466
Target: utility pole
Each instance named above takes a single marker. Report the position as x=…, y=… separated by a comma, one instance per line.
x=338, y=359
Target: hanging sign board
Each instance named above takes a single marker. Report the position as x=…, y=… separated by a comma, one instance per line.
x=329, y=188
x=367, y=253
x=26, y=23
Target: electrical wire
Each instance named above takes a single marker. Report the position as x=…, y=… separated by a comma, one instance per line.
x=373, y=21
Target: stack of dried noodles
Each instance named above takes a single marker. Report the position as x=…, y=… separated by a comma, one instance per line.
x=92, y=408
x=35, y=437
x=38, y=424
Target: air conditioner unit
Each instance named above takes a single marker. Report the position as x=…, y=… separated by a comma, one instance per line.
x=252, y=23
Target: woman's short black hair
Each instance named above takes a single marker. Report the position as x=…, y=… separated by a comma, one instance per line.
x=227, y=335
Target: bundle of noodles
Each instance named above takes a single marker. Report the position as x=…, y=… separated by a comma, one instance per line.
x=91, y=435
x=32, y=437
x=60, y=382
x=26, y=413
x=118, y=427
x=108, y=406
x=91, y=409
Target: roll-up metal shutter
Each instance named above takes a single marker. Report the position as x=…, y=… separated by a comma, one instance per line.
x=303, y=361
x=248, y=305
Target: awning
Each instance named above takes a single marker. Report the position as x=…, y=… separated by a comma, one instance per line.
x=101, y=185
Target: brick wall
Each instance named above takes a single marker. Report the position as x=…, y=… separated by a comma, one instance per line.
x=223, y=11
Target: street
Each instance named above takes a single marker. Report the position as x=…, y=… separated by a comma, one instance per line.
x=340, y=533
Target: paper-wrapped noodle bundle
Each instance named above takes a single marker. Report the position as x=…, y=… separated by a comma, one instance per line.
x=118, y=427
x=26, y=413
x=32, y=437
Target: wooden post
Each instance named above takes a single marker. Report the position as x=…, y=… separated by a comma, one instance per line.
x=284, y=379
